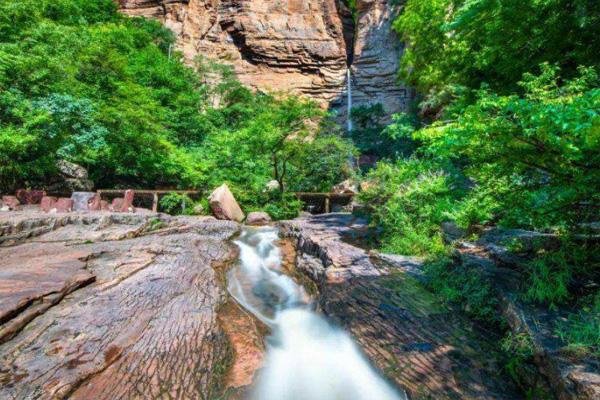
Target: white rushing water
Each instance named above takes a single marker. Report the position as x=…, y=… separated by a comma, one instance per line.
x=349, y=97
x=307, y=357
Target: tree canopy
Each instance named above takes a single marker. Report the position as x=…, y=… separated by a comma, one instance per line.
x=81, y=82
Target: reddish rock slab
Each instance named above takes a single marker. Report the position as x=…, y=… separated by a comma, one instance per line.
x=64, y=204
x=30, y=196
x=245, y=336
x=104, y=205
x=146, y=327
x=33, y=279
x=95, y=203
x=48, y=203
x=116, y=204
x=127, y=205
x=11, y=202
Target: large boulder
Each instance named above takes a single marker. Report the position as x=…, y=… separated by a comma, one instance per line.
x=70, y=185
x=258, y=218
x=73, y=178
x=71, y=170
x=224, y=205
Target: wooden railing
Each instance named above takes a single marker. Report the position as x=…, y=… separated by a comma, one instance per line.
x=327, y=198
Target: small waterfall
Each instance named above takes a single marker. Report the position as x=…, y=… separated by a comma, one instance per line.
x=349, y=97
x=307, y=357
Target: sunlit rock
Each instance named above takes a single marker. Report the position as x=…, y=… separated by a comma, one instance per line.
x=258, y=218
x=224, y=205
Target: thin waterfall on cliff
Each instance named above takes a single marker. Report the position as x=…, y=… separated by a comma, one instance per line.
x=349, y=94
x=307, y=357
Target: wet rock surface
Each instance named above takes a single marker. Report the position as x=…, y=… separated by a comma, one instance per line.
x=106, y=306
x=427, y=349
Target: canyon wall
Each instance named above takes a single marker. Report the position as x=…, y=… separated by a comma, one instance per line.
x=298, y=46
x=377, y=52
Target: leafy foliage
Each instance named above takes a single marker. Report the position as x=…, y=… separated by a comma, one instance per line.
x=454, y=43
x=462, y=285
x=510, y=136
x=539, y=152
x=176, y=203
x=409, y=200
x=582, y=329
x=81, y=82
x=373, y=137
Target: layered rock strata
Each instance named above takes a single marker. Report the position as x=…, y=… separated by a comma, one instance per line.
x=298, y=46
x=109, y=306
x=424, y=347
x=376, y=58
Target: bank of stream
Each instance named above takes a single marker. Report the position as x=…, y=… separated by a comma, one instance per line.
x=307, y=357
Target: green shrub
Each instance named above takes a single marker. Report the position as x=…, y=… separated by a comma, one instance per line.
x=408, y=200
x=177, y=204
x=463, y=43
x=464, y=286
x=581, y=331
x=533, y=159
x=283, y=206
x=548, y=280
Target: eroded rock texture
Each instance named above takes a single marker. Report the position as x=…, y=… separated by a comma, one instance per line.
x=376, y=57
x=301, y=46
x=427, y=349
x=110, y=306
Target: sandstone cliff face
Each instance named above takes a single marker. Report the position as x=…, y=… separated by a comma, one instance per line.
x=376, y=59
x=298, y=46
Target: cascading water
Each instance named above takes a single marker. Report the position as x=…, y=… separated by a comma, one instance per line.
x=349, y=97
x=307, y=357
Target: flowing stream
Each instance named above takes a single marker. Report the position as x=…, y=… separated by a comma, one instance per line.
x=307, y=357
